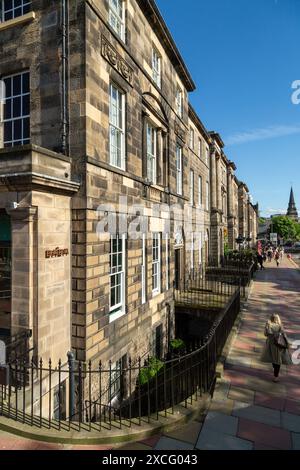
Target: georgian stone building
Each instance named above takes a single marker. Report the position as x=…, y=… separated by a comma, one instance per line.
x=97, y=135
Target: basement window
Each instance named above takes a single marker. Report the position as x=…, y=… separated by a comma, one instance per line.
x=10, y=9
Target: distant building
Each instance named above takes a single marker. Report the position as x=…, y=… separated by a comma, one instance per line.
x=292, y=209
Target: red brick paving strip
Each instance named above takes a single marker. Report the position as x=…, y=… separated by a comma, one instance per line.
x=262, y=434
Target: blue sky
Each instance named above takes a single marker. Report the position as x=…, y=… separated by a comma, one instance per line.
x=244, y=56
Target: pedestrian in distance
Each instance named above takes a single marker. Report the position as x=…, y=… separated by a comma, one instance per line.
x=277, y=258
x=276, y=349
x=270, y=254
x=260, y=260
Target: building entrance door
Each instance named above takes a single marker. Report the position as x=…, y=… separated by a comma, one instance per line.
x=5, y=275
x=177, y=268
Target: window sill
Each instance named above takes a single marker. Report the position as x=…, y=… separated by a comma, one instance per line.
x=20, y=20
x=155, y=293
x=114, y=316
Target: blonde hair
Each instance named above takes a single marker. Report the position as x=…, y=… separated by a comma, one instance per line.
x=275, y=318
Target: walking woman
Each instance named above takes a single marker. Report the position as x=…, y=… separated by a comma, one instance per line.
x=276, y=350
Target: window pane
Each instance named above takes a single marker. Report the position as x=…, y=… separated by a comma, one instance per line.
x=17, y=107
x=18, y=129
x=8, y=132
x=17, y=85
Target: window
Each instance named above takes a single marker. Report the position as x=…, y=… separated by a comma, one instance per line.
x=179, y=103
x=200, y=191
x=179, y=170
x=207, y=156
x=156, y=263
x=192, y=250
x=17, y=110
x=158, y=342
x=116, y=379
x=167, y=263
x=192, y=139
x=10, y=9
x=117, y=127
x=200, y=148
x=156, y=67
x=117, y=277
x=59, y=401
x=207, y=196
x=144, y=267
x=117, y=17
x=151, y=154
x=191, y=187
x=200, y=248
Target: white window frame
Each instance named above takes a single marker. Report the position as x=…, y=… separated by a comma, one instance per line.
x=156, y=263
x=21, y=117
x=117, y=22
x=179, y=102
x=156, y=67
x=117, y=127
x=192, y=138
x=115, y=379
x=200, y=248
x=118, y=310
x=192, y=188
x=15, y=10
x=167, y=263
x=207, y=196
x=179, y=176
x=200, y=143
x=192, y=251
x=151, y=153
x=144, y=267
x=200, y=189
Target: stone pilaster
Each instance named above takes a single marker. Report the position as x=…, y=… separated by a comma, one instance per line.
x=24, y=258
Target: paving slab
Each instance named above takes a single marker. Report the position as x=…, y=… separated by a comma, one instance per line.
x=187, y=433
x=214, y=440
x=257, y=413
x=260, y=433
x=221, y=422
x=296, y=441
x=223, y=406
x=167, y=443
x=241, y=394
x=290, y=421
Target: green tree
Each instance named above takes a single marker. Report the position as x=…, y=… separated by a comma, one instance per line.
x=286, y=227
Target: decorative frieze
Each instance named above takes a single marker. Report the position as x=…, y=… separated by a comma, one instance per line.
x=116, y=61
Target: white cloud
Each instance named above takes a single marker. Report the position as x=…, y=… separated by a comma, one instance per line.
x=270, y=211
x=270, y=132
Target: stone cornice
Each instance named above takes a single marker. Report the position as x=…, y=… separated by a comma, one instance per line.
x=25, y=181
x=36, y=148
x=215, y=136
x=198, y=123
x=159, y=26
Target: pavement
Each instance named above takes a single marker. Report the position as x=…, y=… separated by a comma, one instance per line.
x=248, y=411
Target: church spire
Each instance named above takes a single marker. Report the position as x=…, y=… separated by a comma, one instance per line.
x=292, y=210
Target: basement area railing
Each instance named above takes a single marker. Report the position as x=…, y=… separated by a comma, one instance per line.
x=78, y=396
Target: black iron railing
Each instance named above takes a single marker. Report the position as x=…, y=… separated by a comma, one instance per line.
x=36, y=393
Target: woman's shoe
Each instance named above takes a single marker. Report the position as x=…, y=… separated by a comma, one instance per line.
x=276, y=379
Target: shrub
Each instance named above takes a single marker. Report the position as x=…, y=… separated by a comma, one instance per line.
x=148, y=372
x=177, y=344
